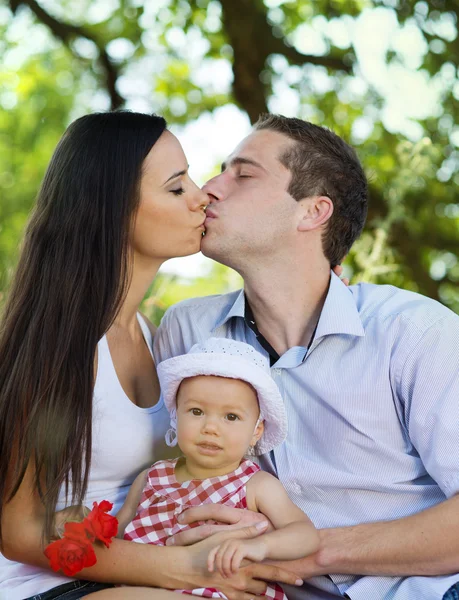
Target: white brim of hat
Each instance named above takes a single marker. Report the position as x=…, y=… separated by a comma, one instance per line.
x=173, y=371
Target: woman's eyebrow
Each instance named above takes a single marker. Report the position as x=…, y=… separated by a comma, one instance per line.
x=177, y=174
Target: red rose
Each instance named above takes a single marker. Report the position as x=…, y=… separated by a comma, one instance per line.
x=100, y=524
x=79, y=532
x=70, y=556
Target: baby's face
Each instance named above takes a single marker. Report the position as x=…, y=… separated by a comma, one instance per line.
x=216, y=419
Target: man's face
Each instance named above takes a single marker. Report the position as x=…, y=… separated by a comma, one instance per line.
x=251, y=214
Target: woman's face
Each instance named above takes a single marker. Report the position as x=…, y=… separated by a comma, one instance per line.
x=170, y=217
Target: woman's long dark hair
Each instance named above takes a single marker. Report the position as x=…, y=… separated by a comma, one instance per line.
x=71, y=278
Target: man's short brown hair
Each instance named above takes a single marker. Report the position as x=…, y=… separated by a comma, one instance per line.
x=322, y=164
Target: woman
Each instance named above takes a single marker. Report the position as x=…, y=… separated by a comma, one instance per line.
x=79, y=396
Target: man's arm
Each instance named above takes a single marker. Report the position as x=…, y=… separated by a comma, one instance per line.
x=426, y=543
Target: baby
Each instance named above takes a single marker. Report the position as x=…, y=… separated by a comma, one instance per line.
x=223, y=405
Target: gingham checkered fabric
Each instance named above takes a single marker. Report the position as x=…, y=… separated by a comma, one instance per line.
x=164, y=498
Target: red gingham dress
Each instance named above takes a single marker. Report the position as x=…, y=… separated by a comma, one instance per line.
x=164, y=498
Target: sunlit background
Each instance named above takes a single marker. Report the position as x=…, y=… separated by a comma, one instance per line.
x=383, y=74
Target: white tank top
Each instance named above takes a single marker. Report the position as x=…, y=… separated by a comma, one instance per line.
x=126, y=440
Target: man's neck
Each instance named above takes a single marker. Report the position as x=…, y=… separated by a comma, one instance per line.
x=286, y=309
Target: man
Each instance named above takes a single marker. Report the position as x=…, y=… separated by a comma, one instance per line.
x=369, y=374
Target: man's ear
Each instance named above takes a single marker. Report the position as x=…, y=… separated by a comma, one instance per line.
x=315, y=212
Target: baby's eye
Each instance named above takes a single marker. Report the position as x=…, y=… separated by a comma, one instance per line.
x=197, y=412
x=244, y=176
x=232, y=417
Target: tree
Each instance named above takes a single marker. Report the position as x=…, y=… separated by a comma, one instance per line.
x=304, y=51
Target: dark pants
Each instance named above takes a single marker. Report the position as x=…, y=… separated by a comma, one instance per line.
x=71, y=591
x=452, y=593
x=78, y=589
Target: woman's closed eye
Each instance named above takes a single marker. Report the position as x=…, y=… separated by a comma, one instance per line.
x=178, y=191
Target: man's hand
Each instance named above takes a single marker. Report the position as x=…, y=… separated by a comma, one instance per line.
x=304, y=568
x=227, y=557
x=338, y=270
x=232, y=519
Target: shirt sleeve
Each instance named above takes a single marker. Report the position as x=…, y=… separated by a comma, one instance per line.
x=166, y=343
x=429, y=387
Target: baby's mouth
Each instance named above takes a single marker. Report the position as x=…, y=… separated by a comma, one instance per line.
x=209, y=446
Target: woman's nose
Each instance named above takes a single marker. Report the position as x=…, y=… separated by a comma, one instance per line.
x=200, y=201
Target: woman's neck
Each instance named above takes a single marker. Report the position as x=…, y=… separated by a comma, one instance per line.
x=143, y=274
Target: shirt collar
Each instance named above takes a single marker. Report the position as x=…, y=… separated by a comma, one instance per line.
x=339, y=314
x=237, y=309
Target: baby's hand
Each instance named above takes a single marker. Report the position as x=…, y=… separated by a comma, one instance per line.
x=227, y=557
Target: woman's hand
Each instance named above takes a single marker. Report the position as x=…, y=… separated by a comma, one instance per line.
x=71, y=513
x=232, y=519
x=250, y=578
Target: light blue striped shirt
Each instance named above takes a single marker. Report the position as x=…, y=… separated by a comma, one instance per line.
x=373, y=414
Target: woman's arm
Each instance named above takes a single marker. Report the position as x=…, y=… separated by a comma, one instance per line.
x=125, y=562
x=128, y=562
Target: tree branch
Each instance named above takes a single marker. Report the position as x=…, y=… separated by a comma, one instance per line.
x=253, y=41
x=66, y=32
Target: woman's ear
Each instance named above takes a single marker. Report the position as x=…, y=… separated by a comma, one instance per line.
x=315, y=212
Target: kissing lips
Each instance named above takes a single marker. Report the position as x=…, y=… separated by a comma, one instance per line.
x=210, y=216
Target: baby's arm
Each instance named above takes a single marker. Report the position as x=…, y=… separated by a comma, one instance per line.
x=128, y=510
x=294, y=537
x=295, y=534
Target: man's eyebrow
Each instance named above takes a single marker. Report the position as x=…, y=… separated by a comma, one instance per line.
x=240, y=160
x=177, y=174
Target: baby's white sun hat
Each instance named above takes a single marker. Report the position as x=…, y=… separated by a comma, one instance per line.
x=227, y=358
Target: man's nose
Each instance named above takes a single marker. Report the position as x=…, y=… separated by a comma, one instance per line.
x=214, y=188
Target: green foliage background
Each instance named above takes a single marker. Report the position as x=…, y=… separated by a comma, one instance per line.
x=63, y=59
